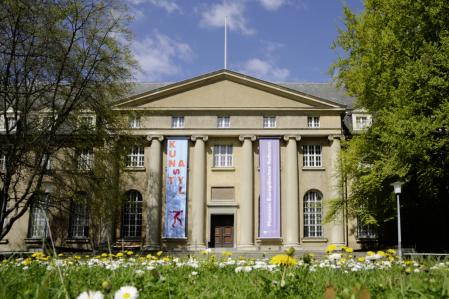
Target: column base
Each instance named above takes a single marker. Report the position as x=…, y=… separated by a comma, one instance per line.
x=248, y=247
x=153, y=247
x=197, y=247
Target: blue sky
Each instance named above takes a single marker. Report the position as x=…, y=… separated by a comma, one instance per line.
x=274, y=40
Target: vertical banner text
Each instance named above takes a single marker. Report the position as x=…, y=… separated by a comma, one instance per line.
x=176, y=186
x=269, y=225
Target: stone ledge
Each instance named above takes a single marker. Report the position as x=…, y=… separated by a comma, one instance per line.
x=314, y=240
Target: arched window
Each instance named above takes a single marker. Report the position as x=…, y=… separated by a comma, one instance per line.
x=38, y=217
x=132, y=216
x=312, y=214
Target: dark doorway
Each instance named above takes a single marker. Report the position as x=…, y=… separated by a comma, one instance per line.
x=222, y=231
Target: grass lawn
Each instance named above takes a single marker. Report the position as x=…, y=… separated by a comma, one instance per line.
x=335, y=275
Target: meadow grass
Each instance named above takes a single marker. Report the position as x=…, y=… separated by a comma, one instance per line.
x=224, y=277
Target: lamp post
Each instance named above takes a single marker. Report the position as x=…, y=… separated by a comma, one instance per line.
x=397, y=190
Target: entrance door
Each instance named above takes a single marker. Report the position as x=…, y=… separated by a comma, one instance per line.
x=222, y=231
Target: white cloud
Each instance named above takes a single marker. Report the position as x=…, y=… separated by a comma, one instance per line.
x=271, y=4
x=169, y=5
x=160, y=56
x=214, y=16
x=264, y=69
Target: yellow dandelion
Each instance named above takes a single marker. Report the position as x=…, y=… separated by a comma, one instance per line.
x=61, y=254
x=148, y=256
x=77, y=257
x=391, y=251
x=283, y=260
x=119, y=254
x=166, y=259
x=104, y=254
x=370, y=253
x=159, y=253
x=331, y=248
x=348, y=249
x=227, y=253
x=381, y=253
x=27, y=261
x=361, y=259
x=129, y=252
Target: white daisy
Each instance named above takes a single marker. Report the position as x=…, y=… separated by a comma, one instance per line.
x=126, y=292
x=90, y=295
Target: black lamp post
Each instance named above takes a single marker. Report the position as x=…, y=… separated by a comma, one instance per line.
x=397, y=190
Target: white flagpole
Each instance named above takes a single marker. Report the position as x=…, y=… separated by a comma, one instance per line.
x=226, y=43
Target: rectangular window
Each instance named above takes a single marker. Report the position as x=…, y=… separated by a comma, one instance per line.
x=46, y=162
x=85, y=159
x=38, y=218
x=134, y=122
x=223, y=122
x=2, y=162
x=136, y=157
x=361, y=122
x=269, y=122
x=177, y=122
x=312, y=155
x=223, y=155
x=47, y=122
x=366, y=231
x=79, y=219
x=86, y=121
x=313, y=121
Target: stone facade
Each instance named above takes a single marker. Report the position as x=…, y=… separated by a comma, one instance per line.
x=231, y=192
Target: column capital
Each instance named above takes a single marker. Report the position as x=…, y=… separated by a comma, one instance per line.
x=288, y=137
x=155, y=137
x=201, y=137
x=332, y=137
x=250, y=137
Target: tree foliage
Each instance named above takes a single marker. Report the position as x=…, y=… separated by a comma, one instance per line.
x=59, y=61
x=396, y=62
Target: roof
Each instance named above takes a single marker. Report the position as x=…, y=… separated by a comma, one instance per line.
x=326, y=91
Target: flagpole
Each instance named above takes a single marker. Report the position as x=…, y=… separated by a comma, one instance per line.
x=226, y=43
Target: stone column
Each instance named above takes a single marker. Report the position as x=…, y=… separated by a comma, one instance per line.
x=154, y=219
x=336, y=231
x=246, y=193
x=291, y=216
x=198, y=193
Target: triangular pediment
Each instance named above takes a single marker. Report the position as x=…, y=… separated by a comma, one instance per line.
x=225, y=90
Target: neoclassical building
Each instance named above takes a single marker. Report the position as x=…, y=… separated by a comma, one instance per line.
x=228, y=161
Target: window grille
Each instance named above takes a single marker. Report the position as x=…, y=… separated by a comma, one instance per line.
x=269, y=122
x=313, y=121
x=312, y=155
x=79, y=219
x=85, y=159
x=361, y=122
x=136, y=157
x=223, y=122
x=312, y=214
x=2, y=162
x=366, y=231
x=132, y=216
x=38, y=215
x=134, y=122
x=223, y=155
x=177, y=122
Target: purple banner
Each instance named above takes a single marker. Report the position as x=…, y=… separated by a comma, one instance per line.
x=270, y=203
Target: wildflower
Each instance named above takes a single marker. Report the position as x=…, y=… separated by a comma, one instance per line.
x=26, y=261
x=243, y=269
x=284, y=260
x=348, y=249
x=290, y=251
x=227, y=253
x=119, y=254
x=77, y=257
x=391, y=251
x=104, y=254
x=361, y=259
x=381, y=253
x=159, y=253
x=331, y=248
x=126, y=292
x=129, y=252
x=106, y=285
x=370, y=253
x=90, y=295
x=334, y=257
x=194, y=273
x=149, y=256
x=166, y=259
x=61, y=254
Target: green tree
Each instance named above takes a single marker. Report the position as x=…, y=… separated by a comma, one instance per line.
x=62, y=63
x=395, y=60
